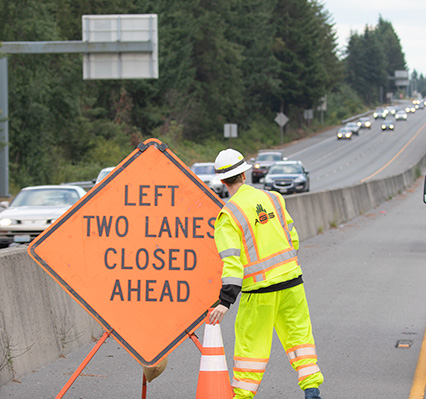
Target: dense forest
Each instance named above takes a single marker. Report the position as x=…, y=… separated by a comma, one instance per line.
x=220, y=61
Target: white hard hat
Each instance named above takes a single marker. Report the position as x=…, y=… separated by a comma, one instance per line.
x=229, y=163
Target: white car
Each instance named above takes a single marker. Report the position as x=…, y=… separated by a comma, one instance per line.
x=206, y=172
x=401, y=116
x=33, y=210
x=104, y=173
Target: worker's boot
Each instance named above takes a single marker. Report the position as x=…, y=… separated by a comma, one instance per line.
x=312, y=393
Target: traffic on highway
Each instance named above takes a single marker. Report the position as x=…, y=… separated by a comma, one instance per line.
x=317, y=163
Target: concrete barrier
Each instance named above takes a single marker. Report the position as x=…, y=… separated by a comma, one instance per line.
x=316, y=212
x=40, y=322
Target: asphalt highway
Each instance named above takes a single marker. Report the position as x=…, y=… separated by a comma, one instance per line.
x=365, y=283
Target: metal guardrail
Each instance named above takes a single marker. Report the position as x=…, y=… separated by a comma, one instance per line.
x=87, y=185
x=356, y=117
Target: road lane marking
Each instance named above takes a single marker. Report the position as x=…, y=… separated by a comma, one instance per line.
x=396, y=156
x=419, y=380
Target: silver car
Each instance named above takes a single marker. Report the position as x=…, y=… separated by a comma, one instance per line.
x=287, y=177
x=33, y=210
x=206, y=172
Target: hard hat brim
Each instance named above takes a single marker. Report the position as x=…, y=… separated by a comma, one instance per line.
x=234, y=172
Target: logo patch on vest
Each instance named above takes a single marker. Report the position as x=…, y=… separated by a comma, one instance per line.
x=263, y=216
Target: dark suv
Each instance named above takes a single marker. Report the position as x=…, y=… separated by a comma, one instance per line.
x=263, y=162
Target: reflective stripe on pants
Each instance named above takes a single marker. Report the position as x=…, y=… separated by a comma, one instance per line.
x=258, y=314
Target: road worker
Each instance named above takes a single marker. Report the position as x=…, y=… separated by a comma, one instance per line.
x=258, y=244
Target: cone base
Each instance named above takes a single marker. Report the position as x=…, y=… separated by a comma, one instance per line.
x=214, y=385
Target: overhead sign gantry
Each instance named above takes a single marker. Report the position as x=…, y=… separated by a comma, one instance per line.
x=113, y=47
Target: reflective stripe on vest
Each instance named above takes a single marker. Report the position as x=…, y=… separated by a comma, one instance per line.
x=248, y=385
x=271, y=262
x=250, y=366
x=246, y=230
x=233, y=281
x=301, y=352
x=281, y=214
x=306, y=370
x=254, y=268
x=230, y=252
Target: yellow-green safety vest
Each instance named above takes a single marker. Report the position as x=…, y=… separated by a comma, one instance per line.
x=256, y=240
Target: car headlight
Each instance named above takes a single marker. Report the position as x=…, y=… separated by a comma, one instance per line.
x=5, y=222
x=299, y=179
x=348, y=135
x=368, y=124
x=256, y=166
x=268, y=180
x=358, y=123
x=340, y=135
x=391, y=126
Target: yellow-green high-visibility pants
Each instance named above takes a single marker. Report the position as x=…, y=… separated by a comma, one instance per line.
x=258, y=314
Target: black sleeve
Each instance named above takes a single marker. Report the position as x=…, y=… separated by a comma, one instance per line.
x=228, y=294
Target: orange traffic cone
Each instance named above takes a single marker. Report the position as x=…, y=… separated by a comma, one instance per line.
x=213, y=380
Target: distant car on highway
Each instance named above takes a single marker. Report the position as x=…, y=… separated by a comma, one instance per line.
x=33, y=210
x=380, y=113
x=387, y=124
x=401, y=115
x=354, y=126
x=287, y=177
x=206, y=172
x=263, y=162
x=391, y=109
x=364, y=123
x=344, y=133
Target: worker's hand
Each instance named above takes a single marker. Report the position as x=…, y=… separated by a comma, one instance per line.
x=216, y=315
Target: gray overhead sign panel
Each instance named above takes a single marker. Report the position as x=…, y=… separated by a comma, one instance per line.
x=141, y=29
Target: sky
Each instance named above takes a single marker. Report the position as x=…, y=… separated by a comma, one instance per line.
x=408, y=18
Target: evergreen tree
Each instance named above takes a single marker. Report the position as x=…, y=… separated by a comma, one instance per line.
x=394, y=57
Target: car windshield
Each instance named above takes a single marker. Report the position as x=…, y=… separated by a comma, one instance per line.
x=203, y=169
x=45, y=197
x=285, y=170
x=269, y=157
x=364, y=119
x=351, y=124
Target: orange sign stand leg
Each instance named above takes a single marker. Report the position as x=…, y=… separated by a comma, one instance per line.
x=144, y=386
x=83, y=364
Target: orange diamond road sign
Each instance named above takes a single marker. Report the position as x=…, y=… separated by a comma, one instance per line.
x=137, y=252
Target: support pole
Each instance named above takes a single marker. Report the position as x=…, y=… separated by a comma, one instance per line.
x=4, y=130
x=83, y=364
